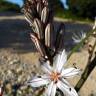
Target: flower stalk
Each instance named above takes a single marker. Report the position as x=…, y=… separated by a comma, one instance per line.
x=88, y=69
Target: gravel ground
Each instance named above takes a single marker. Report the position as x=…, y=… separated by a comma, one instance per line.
x=19, y=58
x=14, y=72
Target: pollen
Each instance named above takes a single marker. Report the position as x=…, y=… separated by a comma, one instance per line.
x=55, y=76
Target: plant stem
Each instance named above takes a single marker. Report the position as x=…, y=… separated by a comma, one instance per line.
x=89, y=68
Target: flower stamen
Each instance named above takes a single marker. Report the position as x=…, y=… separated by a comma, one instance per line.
x=55, y=76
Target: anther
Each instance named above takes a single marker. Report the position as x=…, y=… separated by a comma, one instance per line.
x=74, y=65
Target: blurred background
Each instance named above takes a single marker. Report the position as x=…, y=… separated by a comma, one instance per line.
x=18, y=56
x=63, y=8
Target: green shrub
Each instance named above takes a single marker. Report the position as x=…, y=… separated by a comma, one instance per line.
x=83, y=8
x=7, y=6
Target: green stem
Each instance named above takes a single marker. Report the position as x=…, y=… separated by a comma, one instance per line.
x=89, y=68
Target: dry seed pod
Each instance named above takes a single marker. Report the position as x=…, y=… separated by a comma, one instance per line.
x=29, y=20
x=29, y=10
x=29, y=16
x=30, y=7
x=38, y=45
x=32, y=11
x=45, y=2
x=59, y=38
x=48, y=34
x=44, y=15
x=32, y=1
x=39, y=8
x=38, y=28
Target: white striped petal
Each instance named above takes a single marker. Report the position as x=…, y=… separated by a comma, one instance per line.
x=51, y=91
x=65, y=82
x=76, y=40
x=38, y=81
x=60, y=60
x=0, y=91
x=47, y=68
x=67, y=90
x=79, y=37
x=70, y=72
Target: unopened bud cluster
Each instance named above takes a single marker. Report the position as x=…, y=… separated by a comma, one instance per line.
x=40, y=18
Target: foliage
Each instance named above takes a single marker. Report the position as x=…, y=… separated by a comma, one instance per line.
x=7, y=6
x=84, y=8
x=57, y=5
x=66, y=14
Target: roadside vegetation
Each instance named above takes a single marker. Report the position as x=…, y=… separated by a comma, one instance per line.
x=78, y=11
x=7, y=6
x=66, y=14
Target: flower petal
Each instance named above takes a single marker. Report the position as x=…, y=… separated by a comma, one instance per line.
x=65, y=82
x=76, y=40
x=94, y=26
x=46, y=67
x=38, y=81
x=67, y=90
x=51, y=91
x=70, y=72
x=60, y=60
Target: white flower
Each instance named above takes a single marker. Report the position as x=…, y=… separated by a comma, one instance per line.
x=56, y=76
x=0, y=91
x=77, y=38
